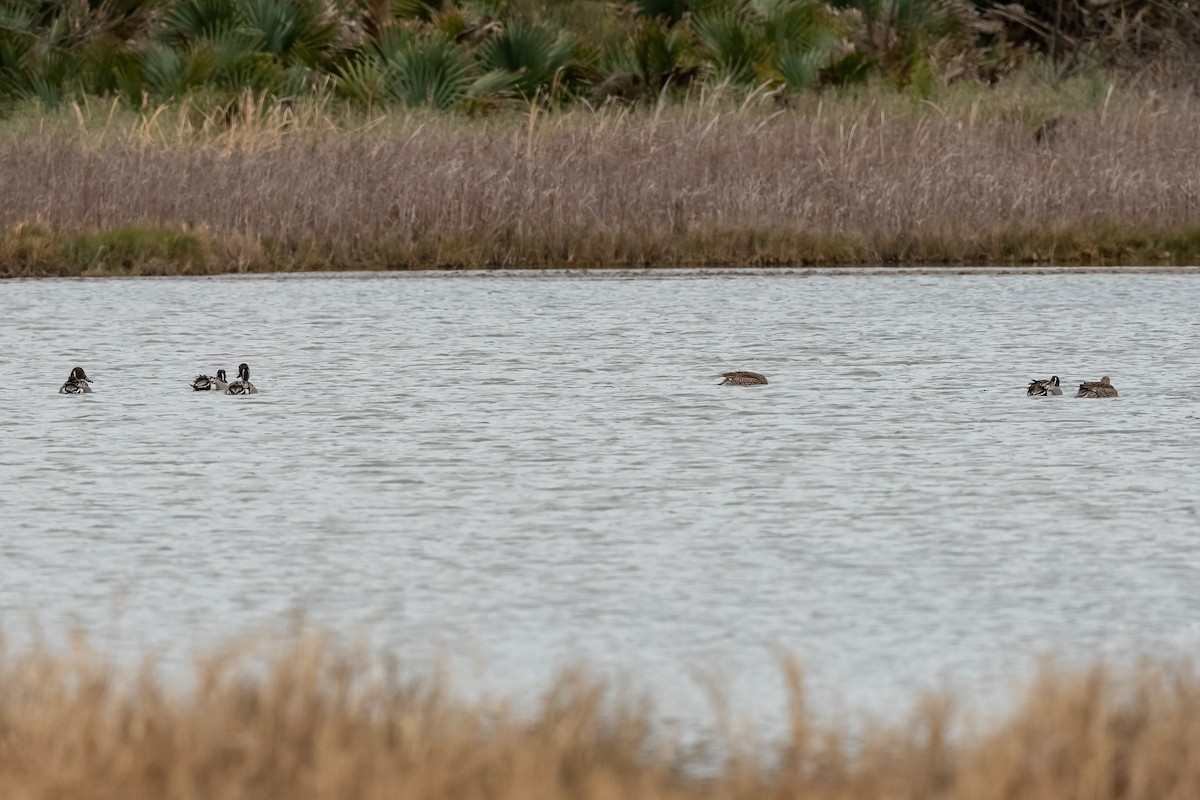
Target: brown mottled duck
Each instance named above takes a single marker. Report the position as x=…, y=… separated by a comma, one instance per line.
x=743, y=378
x=1102, y=388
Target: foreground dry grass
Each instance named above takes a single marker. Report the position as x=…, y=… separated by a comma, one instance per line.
x=986, y=179
x=318, y=722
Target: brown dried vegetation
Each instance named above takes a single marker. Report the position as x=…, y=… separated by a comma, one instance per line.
x=316, y=722
x=987, y=178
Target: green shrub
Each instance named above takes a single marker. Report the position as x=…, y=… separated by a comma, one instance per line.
x=127, y=248
x=537, y=57
x=429, y=71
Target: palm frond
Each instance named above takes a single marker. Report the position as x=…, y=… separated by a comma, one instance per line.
x=297, y=29
x=363, y=80
x=431, y=71
x=168, y=72
x=661, y=53
x=532, y=52
x=734, y=42
x=189, y=20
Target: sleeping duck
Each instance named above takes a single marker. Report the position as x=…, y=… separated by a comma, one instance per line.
x=1043, y=388
x=1103, y=388
x=203, y=383
x=77, y=383
x=743, y=378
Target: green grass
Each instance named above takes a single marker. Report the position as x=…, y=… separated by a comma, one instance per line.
x=132, y=251
x=31, y=252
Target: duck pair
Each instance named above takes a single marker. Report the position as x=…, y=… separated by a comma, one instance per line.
x=242, y=385
x=1052, y=386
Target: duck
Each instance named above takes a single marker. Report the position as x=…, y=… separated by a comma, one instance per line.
x=203, y=383
x=77, y=383
x=1043, y=388
x=1101, y=388
x=743, y=378
x=242, y=385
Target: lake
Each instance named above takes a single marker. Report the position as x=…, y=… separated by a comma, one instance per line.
x=512, y=473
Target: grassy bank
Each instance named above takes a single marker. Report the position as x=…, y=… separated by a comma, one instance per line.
x=33, y=252
x=318, y=722
x=1082, y=174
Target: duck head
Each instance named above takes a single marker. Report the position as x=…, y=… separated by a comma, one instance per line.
x=1054, y=380
x=221, y=376
x=1105, y=381
x=78, y=374
x=244, y=372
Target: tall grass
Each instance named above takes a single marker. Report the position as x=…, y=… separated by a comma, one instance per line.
x=1098, y=176
x=311, y=721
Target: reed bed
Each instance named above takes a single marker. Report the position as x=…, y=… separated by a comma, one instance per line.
x=309, y=721
x=989, y=179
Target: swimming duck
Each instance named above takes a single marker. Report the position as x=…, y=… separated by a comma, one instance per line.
x=242, y=385
x=743, y=378
x=1093, y=389
x=1043, y=388
x=77, y=383
x=203, y=383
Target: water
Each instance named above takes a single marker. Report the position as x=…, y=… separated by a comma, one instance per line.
x=522, y=472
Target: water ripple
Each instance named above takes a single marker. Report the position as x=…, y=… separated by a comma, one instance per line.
x=528, y=471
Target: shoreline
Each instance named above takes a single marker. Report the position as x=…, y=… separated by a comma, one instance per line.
x=32, y=252
x=649, y=273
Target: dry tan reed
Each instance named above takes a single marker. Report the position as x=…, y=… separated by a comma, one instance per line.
x=831, y=181
x=317, y=722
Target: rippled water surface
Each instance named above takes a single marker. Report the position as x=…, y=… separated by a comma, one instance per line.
x=522, y=472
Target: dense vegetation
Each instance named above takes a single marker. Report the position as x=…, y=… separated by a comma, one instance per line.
x=202, y=136
x=862, y=177
x=476, y=55
x=316, y=722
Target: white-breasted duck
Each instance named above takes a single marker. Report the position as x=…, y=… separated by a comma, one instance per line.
x=77, y=383
x=1051, y=386
x=203, y=383
x=242, y=385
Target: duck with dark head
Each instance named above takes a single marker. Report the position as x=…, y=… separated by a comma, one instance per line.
x=242, y=385
x=1051, y=386
x=77, y=383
